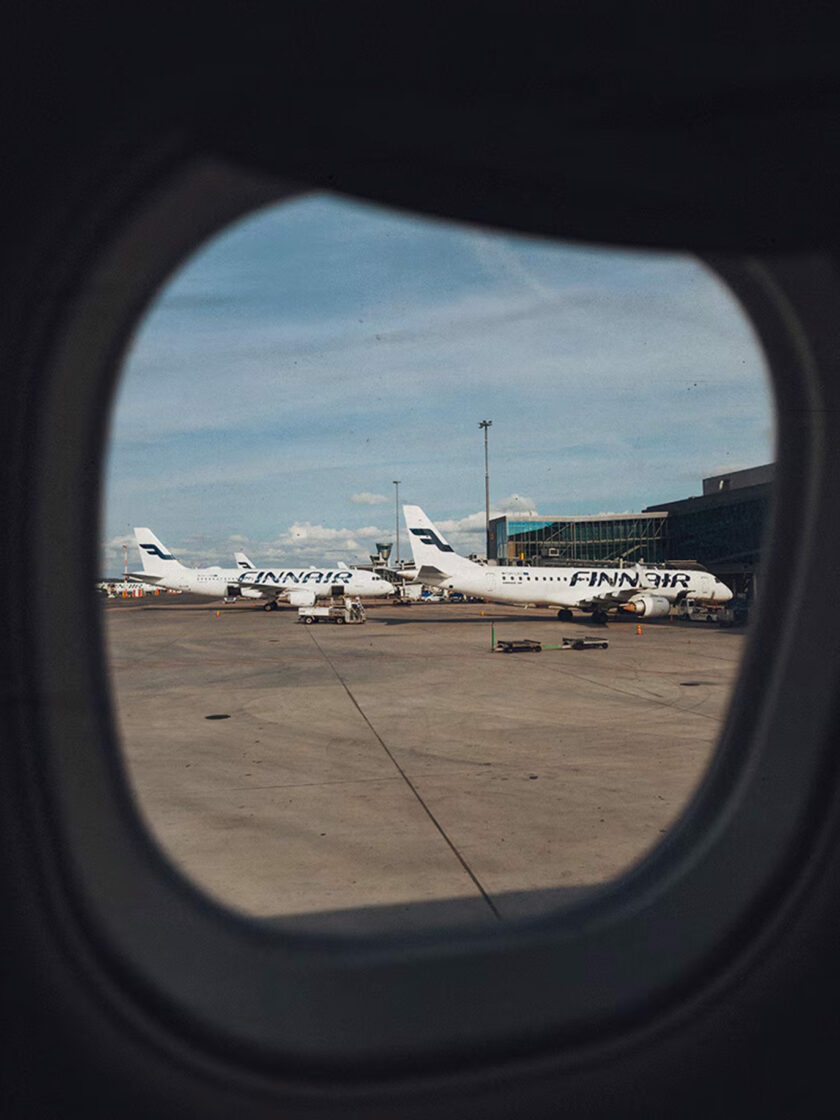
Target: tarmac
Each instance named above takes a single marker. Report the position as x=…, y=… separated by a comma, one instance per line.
x=401, y=775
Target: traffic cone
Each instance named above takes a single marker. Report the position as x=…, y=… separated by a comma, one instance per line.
x=638, y=627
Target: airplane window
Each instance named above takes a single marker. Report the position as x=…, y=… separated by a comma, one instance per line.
x=331, y=759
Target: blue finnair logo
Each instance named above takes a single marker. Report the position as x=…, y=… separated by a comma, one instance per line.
x=153, y=550
x=428, y=536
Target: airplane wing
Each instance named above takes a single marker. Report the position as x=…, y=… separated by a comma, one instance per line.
x=268, y=590
x=612, y=598
x=294, y=596
x=621, y=599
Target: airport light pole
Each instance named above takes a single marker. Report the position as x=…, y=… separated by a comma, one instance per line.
x=485, y=424
x=397, y=517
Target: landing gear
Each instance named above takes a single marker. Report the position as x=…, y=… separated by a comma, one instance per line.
x=565, y=615
x=599, y=618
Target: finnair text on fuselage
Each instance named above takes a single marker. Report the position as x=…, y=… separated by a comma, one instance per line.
x=269, y=578
x=623, y=577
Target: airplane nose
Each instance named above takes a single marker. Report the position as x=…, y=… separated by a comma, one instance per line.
x=722, y=592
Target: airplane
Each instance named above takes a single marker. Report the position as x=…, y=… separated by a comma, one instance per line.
x=296, y=587
x=648, y=592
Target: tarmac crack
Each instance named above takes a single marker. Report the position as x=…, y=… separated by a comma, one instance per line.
x=416, y=793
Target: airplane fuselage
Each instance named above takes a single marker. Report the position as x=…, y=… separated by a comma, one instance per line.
x=318, y=580
x=570, y=587
x=259, y=583
x=297, y=586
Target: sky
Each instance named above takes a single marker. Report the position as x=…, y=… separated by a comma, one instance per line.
x=311, y=354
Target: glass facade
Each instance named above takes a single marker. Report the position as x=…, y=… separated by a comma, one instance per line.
x=722, y=531
x=629, y=537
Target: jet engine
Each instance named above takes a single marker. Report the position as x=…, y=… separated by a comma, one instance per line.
x=650, y=606
x=302, y=598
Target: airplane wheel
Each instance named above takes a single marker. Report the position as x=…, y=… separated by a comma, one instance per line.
x=565, y=615
x=599, y=618
x=268, y=607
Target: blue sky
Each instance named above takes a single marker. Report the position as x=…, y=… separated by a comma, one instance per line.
x=312, y=353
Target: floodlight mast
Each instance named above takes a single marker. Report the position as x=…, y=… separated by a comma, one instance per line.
x=397, y=517
x=485, y=424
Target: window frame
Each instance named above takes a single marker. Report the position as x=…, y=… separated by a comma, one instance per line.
x=598, y=973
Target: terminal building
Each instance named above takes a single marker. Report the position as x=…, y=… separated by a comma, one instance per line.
x=722, y=530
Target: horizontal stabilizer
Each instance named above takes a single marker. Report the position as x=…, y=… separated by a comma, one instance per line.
x=429, y=574
x=143, y=577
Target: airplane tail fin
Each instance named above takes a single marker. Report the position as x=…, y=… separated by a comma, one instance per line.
x=157, y=560
x=243, y=562
x=432, y=554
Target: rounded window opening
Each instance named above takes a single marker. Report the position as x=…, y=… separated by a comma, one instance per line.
x=362, y=467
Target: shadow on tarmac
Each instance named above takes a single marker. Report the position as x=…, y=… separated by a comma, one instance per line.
x=433, y=917
x=527, y=618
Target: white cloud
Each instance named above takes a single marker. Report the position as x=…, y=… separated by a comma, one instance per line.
x=112, y=557
x=368, y=499
x=472, y=523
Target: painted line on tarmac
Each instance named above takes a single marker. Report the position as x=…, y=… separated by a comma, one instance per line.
x=409, y=782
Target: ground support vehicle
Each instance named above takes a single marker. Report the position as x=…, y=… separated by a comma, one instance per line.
x=696, y=610
x=339, y=610
x=527, y=645
x=735, y=613
x=407, y=593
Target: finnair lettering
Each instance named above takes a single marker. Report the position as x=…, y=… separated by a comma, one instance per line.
x=429, y=536
x=285, y=577
x=596, y=578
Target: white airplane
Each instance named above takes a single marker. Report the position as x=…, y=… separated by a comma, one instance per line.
x=296, y=587
x=647, y=591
